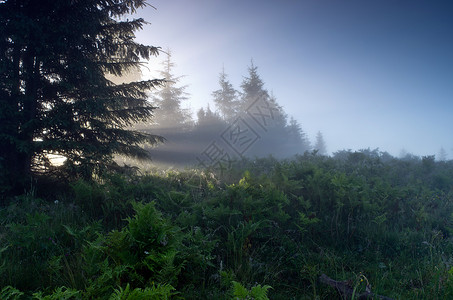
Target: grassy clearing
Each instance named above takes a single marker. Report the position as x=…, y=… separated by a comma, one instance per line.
x=268, y=229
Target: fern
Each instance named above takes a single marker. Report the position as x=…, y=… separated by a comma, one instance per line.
x=61, y=293
x=260, y=292
x=257, y=292
x=10, y=293
x=157, y=292
x=239, y=291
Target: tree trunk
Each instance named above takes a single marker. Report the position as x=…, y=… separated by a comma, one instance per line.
x=20, y=152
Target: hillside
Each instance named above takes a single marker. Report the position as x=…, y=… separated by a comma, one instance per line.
x=268, y=228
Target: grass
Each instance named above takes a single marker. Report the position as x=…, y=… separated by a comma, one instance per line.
x=269, y=223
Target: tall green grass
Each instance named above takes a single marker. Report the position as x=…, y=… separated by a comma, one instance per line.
x=195, y=234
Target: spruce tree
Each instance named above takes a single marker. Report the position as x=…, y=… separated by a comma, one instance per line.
x=268, y=116
x=442, y=154
x=297, y=138
x=208, y=127
x=54, y=95
x=225, y=98
x=320, y=144
x=171, y=118
x=252, y=87
x=207, y=117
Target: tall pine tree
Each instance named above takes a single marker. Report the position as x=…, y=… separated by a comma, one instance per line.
x=225, y=98
x=320, y=144
x=264, y=106
x=171, y=118
x=252, y=88
x=298, y=142
x=54, y=95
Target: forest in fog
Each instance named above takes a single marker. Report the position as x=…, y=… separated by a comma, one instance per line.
x=244, y=123
x=110, y=188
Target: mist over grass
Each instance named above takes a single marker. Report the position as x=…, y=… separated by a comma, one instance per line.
x=199, y=233
x=237, y=203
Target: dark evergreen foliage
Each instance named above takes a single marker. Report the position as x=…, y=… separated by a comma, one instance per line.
x=54, y=97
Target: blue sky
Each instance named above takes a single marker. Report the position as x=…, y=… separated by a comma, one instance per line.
x=375, y=74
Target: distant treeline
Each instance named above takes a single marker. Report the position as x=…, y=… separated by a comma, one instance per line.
x=244, y=123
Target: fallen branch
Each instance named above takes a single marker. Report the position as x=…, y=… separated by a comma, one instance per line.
x=346, y=291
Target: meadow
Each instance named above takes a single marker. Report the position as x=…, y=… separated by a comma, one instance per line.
x=264, y=229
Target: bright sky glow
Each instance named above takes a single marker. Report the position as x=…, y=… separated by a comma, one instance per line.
x=375, y=74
